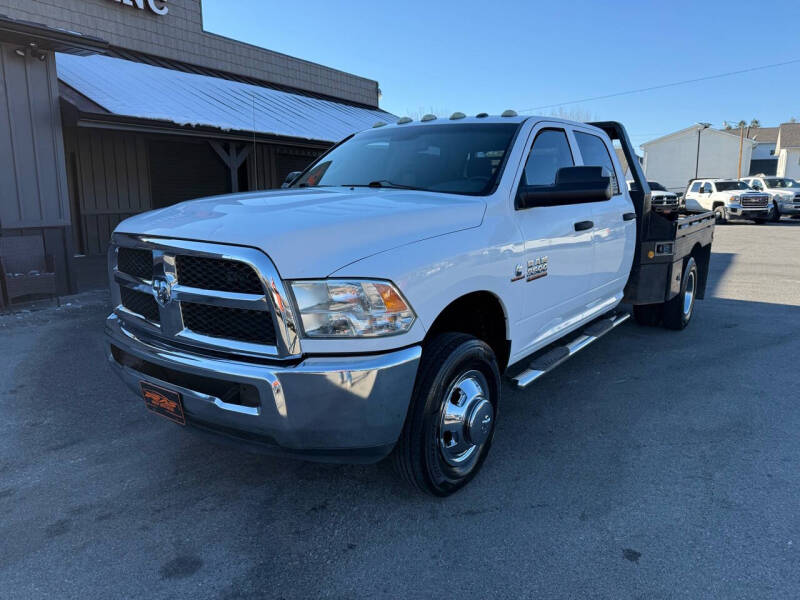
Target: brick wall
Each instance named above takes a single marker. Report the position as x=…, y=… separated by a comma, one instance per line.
x=179, y=36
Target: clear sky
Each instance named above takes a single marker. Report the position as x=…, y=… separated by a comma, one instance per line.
x=488, y=56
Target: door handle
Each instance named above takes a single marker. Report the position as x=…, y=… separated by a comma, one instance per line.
x=628, y=216
x=583, y=225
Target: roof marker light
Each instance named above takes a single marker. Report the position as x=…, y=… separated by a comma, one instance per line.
x=481, y=115
x=509, y=113
x=457, y=115
x=379, y=124
x=428, y=117
x=403, y=120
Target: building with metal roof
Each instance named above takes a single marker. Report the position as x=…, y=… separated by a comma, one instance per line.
x=118, y=107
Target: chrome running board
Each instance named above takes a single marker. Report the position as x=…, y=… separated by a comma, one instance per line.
x=550, y=360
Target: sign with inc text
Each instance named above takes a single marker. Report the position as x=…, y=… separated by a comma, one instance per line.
x=159, y=7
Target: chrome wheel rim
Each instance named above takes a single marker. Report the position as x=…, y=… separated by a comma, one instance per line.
x=467, y=418
x=688, y=295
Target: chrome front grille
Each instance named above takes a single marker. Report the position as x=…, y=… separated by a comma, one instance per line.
x=754, y=201
x=217, y=274
x=234, y=323
x=140, y=303
x=136, y=262
x=214, y=297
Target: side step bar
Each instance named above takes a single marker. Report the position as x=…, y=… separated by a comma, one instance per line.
x=549, y=361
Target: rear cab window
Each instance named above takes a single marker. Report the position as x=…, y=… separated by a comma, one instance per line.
x=595, y=154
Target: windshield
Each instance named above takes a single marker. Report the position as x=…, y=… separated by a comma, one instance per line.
x=781, y=183
x=454, y=159
x=727, y=186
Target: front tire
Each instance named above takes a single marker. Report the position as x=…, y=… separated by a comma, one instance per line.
x=720, y=215
x=450, y=422
x=775, y=213
x=678, y=311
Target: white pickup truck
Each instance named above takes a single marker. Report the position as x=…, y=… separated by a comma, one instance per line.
x=729, y=199
x=785, y=194
x=373, y=307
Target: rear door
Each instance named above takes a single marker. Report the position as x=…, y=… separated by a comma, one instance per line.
x=557, y=274
x=614, y=221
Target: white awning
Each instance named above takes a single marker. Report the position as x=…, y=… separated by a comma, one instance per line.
x=138, y=90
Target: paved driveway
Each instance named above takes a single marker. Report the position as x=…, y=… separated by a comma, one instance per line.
x=654, y=465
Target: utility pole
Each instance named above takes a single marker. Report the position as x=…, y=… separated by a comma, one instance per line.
x=697, y=160
x=741, y=146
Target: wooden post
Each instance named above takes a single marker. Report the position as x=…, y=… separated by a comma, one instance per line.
x=233, y=159
x=741, y=146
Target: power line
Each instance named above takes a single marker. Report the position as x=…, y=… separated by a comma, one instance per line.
x=665, y=85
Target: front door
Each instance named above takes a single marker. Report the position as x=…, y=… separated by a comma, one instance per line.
x=557, y=275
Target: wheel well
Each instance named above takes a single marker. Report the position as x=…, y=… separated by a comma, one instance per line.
x=480, y=314
x=716, y=204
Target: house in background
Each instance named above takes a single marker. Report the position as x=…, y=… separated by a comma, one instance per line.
x=697, y=151
x=765, y=158
x=787, y=149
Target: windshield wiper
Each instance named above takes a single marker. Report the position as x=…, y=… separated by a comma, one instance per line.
x=383, y=183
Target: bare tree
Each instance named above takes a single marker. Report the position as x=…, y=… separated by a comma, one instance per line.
x=577, y=113
x=421, y=111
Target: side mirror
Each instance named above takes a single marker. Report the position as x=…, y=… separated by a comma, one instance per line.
x=290, y=178
x=574, y=185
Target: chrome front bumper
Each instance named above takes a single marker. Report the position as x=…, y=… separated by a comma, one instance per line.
x=345, y=408
x=789, y=208
x=737, y=211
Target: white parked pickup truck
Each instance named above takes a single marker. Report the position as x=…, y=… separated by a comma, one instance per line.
x=785, y=193
x=661, y=199
x=374, y=306
x=729, y=199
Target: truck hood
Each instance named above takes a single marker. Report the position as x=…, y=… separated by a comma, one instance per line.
x=313, y=232
x=740, y=193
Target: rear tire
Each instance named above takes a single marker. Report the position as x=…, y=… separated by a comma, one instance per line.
x=648, y=315
x=678, y=311
x=450, y=422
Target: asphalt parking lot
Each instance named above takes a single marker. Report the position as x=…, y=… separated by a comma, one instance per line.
x=655, y=464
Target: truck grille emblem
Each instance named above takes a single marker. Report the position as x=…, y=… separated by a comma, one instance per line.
x=162, y=291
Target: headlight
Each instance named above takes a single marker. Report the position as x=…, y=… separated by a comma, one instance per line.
x=351, y=308
x=734, y=199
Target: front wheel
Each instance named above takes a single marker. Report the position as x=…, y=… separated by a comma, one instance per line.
x=775, y=213
x=678, y=311
x=450, y=422
x=720, y=215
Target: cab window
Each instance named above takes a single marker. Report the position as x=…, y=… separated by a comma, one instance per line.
x=707, y=189
x=549, y=153
x=695, y=187
x=595, y=154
